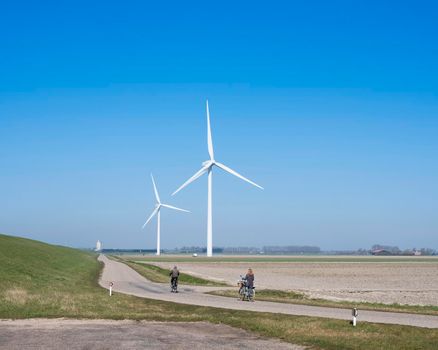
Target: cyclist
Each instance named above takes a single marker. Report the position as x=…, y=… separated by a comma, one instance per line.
x=174, y=274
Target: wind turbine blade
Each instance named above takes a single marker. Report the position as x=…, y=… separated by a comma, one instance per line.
x=193, y=178
x=231, y=171
x=209, y=138
x=155, y=189
x=152, y=215
x=175, y=208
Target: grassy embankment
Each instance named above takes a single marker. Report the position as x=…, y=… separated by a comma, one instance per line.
x=41, y=280
x=159, y=275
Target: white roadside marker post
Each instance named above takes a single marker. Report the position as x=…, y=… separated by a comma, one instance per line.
x=111, y=288
x=354, y=314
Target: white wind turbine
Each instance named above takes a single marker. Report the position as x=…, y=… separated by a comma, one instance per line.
x=157, y=210
x=207, y=167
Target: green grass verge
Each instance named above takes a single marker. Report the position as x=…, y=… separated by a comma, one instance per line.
x=157, y=274
x=291, y=297
x=40, y=280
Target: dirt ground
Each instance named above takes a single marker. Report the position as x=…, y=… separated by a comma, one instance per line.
x=104, y=334
x=413, y=283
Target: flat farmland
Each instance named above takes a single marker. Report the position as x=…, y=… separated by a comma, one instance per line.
x=387, y=280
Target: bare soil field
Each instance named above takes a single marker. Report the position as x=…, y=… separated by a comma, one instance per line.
x=402, y=282
x=104, y=334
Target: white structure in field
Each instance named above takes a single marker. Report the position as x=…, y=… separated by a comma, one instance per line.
x=157, y=209
x=98, y=246
x=207, y=167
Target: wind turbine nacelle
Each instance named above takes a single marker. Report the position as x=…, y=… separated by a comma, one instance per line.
x=207, y=163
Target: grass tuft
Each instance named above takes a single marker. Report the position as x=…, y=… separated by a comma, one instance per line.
x=291, y=297
x=159, y=275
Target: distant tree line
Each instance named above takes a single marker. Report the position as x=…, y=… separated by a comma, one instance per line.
x=254, y=250
x=194, y=249
x=376, y=249
x=294, y=249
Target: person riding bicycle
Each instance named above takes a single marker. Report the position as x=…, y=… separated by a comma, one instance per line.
x=174, y=274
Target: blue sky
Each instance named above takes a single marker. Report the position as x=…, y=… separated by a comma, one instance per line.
x=333, y=108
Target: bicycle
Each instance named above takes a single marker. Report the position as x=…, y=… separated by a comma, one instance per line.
x=174, y=285
x=245, y=292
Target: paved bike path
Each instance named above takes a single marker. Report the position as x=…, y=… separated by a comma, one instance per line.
x=128, y=281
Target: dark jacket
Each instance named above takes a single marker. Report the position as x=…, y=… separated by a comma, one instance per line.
x=250, y=280
x=174, y=273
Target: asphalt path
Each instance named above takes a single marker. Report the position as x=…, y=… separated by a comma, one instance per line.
x=128, y=281
x=48, y=334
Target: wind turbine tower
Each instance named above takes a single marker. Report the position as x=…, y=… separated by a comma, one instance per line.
x=157, y=211
x=207, y=167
